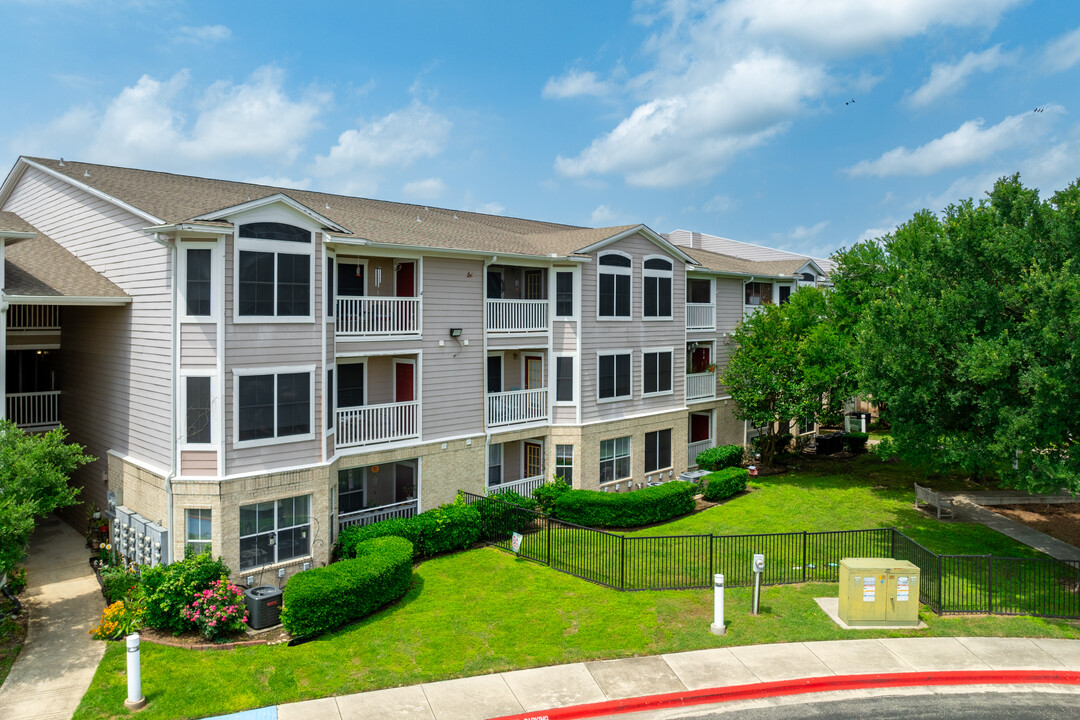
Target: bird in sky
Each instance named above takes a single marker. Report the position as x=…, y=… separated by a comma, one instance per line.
x=850, y=102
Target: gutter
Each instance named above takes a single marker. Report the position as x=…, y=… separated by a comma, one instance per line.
x=174, y=358
x=430, y=250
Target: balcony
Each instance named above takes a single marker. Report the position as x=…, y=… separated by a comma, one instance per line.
x=700, y=316
x=406, y=509
x=33, y=318
x=524, y=486
x=700, y=386
x=694, y=448
x=371, y=424
x=34, y=411
x=517, y=406
x=517, y=316
x=377, y=316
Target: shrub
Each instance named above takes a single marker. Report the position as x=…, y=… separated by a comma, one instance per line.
x=722, y=484
x=855, y=442
x=503, y=514
x=881, y=425
x=218, y=611
x=117, y=581
x=325, y=598
x=718, y=458
x=549, y=492
x=640, y=507
x=446, y=528
x=118, y=620
x=169, y=589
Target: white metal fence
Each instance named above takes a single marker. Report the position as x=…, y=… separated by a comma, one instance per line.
x=517, y=315
x=700, y=386
x=378, y=316
x=700, y=316
x=524, y=486
x=694, y=448
x=516, y=406
x=377, y=423
x=367, y=516
x=34, y=409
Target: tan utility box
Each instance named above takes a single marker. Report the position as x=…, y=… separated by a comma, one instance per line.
x=879, y=591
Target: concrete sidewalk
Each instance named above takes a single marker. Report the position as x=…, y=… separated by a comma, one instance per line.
x=969, y=510
x=538, y=689
x=64, y=600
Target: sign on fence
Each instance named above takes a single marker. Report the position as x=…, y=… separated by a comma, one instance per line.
x=515, y=542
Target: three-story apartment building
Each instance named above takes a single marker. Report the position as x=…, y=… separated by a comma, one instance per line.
x=257, y=367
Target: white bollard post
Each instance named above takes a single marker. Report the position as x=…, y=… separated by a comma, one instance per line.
x=718, y=627
x=135, y=699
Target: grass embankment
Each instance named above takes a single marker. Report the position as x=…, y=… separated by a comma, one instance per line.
x=486, y=611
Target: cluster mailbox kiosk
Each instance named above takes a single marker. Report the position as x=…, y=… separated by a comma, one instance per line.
x=879, y=591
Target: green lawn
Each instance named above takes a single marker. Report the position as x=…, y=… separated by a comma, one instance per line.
x=486, y=611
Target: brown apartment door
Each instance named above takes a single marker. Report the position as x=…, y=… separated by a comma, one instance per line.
x=534, y=372
x=405, y=283
x=533, y=454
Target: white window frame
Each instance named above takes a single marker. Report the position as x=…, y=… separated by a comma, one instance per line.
x=575, y=291
x=669, y=274
x=671, y=381
x=216, y=280
x=524, y=455
x=502, y=370
x=276, y=247
x=337, y=380
x=572, y=461
x=329, y=399
x=500, y=464
x=330, y=257
x=615, y=270
x=286, y=370
x=630, y=384
x=574, y=379
x=615, y=457
x=276, y=530
x=215, y=411
x=187, y=536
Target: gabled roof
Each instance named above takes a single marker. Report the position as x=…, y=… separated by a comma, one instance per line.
x=729, y=264
x=743, y=250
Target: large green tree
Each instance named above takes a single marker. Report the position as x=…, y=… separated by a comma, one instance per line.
x=34, y=472
x=969, y=330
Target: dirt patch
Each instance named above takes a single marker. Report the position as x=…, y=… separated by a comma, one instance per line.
x=1058, y=521
x=195, y=641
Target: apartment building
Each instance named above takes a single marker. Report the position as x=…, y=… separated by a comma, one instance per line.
x=256, y=367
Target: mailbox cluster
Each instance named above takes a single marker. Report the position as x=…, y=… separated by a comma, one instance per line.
x=139, y=540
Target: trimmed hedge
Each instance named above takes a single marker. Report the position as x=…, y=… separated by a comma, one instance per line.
x=722, y=484
x=446, y=528
x=325, y=598
x=855, y=442
x=720, y=457
x=501, y=514
x=593, y=508
x=549, y=492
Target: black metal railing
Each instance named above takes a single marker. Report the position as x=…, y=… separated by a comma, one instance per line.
x=949, y=584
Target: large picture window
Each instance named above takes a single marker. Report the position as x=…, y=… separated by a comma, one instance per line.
x=614, y=376
x=275, y=531
x=656, y=275
x=657, y=450
x=614, y=285
x=273, y=406
x=656, y=372
x=273, y=274
x=614, y=459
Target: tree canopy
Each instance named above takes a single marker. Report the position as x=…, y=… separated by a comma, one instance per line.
x=968, y=328
x=34, y=472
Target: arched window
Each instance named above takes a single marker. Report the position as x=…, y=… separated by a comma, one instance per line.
x=275, y=231
x=614, y=269
x=657, y=274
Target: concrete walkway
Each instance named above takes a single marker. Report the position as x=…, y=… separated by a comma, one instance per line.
x=539, y=689
x=64, y=600
x=970, y=510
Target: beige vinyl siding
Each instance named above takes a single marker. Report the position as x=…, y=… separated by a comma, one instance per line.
x=564, y=415
x=115, y=368
x=198, y=345
x=564, y=338
x=198, y=463
x=634, y=334
x=729, y=313
x=452, y=375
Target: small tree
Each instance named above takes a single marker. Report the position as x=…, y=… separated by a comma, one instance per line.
x=34, y=472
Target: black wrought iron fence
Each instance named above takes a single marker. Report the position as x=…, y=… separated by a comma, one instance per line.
x=948, y=583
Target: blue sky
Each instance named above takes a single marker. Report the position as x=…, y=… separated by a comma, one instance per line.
x=732, y=118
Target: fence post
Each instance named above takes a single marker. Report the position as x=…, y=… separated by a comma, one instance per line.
x=940, y=584
x=989, y=584
x=548, y=524
x=804, y=556
x=712, y=569
x=622, y=562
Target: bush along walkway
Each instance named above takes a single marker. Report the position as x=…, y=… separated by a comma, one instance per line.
x=58, y=661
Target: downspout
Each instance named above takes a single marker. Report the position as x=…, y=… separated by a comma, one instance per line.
x=484, y=365
x=175, y=361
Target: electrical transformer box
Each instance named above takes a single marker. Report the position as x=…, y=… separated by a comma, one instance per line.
x=879, y=591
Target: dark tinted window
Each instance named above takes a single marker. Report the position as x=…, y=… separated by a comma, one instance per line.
x=564, y=294
x=657, y=450
x=494, y=379
x=275, y=231
x=564, y=379
x=657, y=264
x=615, y=260
x=198, y=410
x=256, y=283
x=614, y=376
x=256, y=395
x=293, y=404
x=293, y=275
x=198, y=281
x=350, y=385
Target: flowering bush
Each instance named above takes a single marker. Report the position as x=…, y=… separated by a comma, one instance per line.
x=218, y=610
x=119, y=619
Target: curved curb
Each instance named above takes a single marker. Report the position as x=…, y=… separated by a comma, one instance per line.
x=799, y=686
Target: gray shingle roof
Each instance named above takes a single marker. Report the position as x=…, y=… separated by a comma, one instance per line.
x=719, y=262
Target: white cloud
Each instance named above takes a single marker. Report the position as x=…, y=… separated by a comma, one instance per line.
x=574, y=83
x=204, y=34
x=946, y=79
x=603, y=216
x=802, y=232
x=490, y=208
x=968, y=144
x=1064, y=52
x=429, y=189
x=873, y=233
x=719, y=204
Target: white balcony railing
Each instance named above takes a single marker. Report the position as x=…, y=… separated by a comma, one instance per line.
x=700, y=386
x=34, y=410
x=512, y=316
x=33, y=317
x=700, y=316
x=377, y=423
x=383, y=512
x=694, y=448
x=524, y=486
x=516, y=406
x=378, y=316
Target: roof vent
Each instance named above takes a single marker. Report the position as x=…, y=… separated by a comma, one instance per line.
x=327, y=206
x=418, y=219
x=86, y=174
x=61, y=162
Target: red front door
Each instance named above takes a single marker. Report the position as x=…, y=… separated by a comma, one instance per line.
x=404, y=375
x=699, y=427
x=406, y=279
x=699, y=360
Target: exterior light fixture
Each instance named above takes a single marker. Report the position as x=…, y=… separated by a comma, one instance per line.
x=455, y=332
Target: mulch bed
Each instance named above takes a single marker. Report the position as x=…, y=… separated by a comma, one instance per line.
x=195, y=641
x=1058, y=521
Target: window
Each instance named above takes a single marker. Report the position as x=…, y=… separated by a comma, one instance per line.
x=275, y=531
x=198, y=282
x=273, y=280
x=657, y=450
x=275, y=231
x=614, y=285
x=494, y=373
x=564, y=294
x=656, y=276
x=350, y=490
x=564, y=379
x=758, y=293
x=330, y=406
x=699, y=291
x=614, y=459
x=656, y=372
x=495, y=457
x=329, y=280
x=564, y=463
x=197, y=413
x=273, y=406
x=614, y=376
x=350, y=391
x=785, y=293
x=197, y=522
x=805, y=424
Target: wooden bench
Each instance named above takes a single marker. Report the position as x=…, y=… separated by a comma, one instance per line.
x=944, y=505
